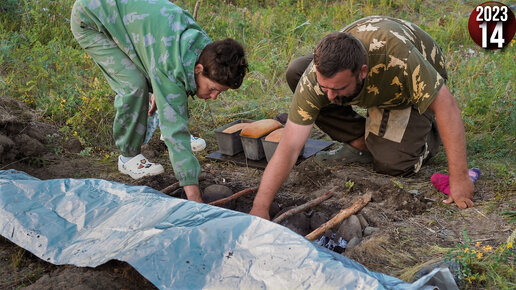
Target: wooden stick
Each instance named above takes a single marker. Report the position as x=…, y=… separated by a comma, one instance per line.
x=343, y=214
x=305, y=206
x=234, y=196
x=171, y=188
x=196, y=9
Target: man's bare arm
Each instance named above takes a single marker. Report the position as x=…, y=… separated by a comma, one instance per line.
x=451, y=130
x=279, y=167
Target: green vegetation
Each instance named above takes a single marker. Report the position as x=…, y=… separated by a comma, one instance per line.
x=42, y=65
x=483, y=265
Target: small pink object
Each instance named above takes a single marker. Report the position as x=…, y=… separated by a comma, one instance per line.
x=442, y=181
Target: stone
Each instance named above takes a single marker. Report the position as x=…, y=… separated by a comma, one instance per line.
x=299, y=223
x=350, y=228
x=370, y=230
x=454, y=267
x=371, y=218
x=317, y=219
x=353, y=243
x=218, y=191
x=363, y=221
x=74, y=145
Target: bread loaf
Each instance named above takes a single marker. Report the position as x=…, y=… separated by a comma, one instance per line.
x=260, y=128
x=275, y=136
x=235, y=128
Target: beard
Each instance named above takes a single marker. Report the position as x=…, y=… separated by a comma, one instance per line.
x=341, y=100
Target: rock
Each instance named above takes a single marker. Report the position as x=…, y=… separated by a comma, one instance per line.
x=454, y=267
x=350, y=228
x=353, y=243
x=370, y=230
x=318, y=218
x=299, y=223
x=74, y=145
x=371, y=217
x=363, y=221
x=217, y=191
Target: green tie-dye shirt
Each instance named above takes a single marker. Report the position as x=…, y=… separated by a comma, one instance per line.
x=164, y=42
x=406, y=68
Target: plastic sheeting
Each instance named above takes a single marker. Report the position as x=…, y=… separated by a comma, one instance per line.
x=174, y=243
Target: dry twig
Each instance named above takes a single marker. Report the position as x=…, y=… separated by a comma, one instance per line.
x=305, y=206
x=196, y=9
x=343, y=214
x=171, y=188
x=234, y=196
x=425, y=227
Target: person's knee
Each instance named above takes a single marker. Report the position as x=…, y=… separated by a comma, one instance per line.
x=292, y=76
x=395, y=159
x=139, y=85
x=132, y=85
x=295, y=70
x=394, y=168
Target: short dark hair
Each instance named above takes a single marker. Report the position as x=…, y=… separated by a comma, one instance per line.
x=339, y=51
x=224, y=62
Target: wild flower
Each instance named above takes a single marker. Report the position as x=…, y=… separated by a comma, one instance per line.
x=480, y=265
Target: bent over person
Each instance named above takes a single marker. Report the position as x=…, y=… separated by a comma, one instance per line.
x=396, y=71
x=145, y=47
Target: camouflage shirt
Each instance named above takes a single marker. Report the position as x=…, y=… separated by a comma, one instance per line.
x=406, y=68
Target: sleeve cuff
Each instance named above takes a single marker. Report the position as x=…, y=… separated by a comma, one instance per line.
x=189, y=181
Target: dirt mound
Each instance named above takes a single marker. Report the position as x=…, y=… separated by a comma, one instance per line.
x=112, y=275
x=22, y=136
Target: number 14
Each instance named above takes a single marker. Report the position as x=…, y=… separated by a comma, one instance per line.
x=496, y=36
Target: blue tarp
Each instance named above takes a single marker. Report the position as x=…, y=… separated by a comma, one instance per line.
x=174, y=243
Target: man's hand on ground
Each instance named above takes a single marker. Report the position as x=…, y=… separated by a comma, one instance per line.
x=461, y=192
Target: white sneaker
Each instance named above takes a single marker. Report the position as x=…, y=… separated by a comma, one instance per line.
x=139, y=166
x=198, y=144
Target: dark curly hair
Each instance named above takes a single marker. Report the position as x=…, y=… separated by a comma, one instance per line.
x=339, y=51
x=224, y=62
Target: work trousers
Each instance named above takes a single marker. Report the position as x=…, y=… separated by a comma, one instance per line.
x=129, y=83
x=400, y=141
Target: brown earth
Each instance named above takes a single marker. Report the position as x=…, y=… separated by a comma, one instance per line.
x=404, y=228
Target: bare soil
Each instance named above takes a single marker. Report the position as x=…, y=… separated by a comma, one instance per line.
x=404, y=228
